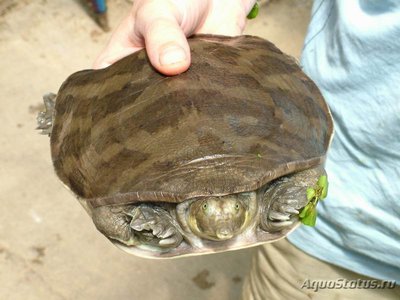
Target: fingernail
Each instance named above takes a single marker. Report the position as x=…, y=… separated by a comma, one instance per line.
x=172, y=55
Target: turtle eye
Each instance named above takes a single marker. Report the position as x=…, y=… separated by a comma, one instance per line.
x=237, y=206
x=204, y=206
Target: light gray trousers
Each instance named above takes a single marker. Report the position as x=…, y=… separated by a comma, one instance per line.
x=281, y=271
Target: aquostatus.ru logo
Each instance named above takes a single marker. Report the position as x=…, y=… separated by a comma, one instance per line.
x=342, y=283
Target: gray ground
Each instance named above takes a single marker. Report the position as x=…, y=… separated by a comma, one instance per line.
x=49, y=248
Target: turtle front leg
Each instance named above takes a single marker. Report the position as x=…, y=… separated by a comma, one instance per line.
x=113, y=222
x=155, y=226
x=138, y=225
x=285, y=197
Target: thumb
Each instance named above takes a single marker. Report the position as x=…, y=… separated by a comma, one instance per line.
x=167, y=47
x=165, y=41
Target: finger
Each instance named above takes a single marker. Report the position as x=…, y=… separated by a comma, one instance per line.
x=120, y=45
x=165, y=41
x=167, y=47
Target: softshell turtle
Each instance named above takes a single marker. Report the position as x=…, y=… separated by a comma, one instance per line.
x=214, y=159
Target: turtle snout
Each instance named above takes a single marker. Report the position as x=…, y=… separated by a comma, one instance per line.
x=224, y=233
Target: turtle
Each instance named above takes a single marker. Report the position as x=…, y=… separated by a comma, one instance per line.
x=214, y=159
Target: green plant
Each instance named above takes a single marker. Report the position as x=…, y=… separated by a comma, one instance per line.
x=308, y=214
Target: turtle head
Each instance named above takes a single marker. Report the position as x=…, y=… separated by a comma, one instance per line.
x=218, y=218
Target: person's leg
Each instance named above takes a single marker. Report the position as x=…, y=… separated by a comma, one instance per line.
x=280, y=270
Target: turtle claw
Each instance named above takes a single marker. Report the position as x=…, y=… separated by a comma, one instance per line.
x=167, y=233
x=155, y=227
x=284, y=216
x=283, y=210
x=45, y=118
x=275, y=215
x=169, y=242
x=170, y=237
x=292, y=210
x=157, y=230
x=281, y=214
x=281, y=224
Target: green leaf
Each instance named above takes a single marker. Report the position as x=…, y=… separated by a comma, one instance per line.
x=310, y=218
x=254, y=12
x=304, y=210
x=310, y=193
x=323, y=184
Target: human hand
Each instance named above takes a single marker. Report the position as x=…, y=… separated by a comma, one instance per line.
x=161, y=26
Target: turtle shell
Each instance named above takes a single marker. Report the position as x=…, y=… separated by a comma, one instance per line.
x=242, y=115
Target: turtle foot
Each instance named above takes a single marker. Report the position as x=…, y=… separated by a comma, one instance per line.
x=45, y=118
x=113, y=222
x=284, y=198
x=282, y=214
x=154, y=226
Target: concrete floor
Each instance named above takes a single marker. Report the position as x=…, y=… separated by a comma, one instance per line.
x=49, y=248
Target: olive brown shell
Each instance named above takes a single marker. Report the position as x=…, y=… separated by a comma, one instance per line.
x=242, y=115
